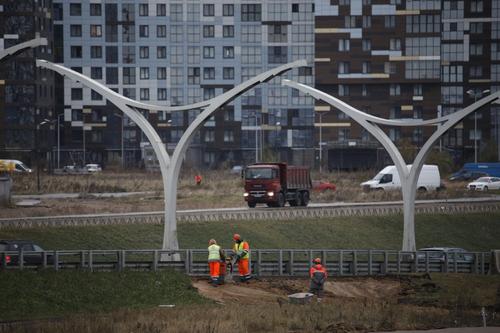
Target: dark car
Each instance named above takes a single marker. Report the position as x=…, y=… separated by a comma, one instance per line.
x=10, y=249
x=467, y=175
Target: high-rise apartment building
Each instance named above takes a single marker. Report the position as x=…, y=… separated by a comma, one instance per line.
x=183, y=52
x=26, y=93
x=405, y=59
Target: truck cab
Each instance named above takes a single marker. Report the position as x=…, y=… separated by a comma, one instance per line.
x=276, y=183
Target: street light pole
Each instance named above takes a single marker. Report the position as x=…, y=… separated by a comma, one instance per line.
x=37, y=150
x=256, y=138
x=59, y=141
x=476, y=95
x=122, y=141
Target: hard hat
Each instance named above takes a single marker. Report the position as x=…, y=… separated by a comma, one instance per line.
x=212, y=241
x=236, y=237
x=317, y=261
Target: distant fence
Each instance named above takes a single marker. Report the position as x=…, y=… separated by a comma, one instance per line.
x=270, y=262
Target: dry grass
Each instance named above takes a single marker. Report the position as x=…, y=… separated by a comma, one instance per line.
x=341, y=315
x=219, y=189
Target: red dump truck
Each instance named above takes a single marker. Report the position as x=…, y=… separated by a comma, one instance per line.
x=276, y=183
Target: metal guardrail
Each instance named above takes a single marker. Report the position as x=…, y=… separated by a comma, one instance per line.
x=288, y=213
x=264, y=262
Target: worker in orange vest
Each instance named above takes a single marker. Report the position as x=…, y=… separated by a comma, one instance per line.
x=318, y=276
x=197, y=179
x=215, y=255
x=242, y=252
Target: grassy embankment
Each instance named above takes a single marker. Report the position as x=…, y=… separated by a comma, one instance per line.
x=474, y=232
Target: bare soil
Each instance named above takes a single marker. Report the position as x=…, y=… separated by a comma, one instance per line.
x=271, y=290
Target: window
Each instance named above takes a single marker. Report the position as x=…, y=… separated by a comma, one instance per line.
x=228, y=10
x=209, y=73
x=395, y=44
x=423, y=46
x=476, y=71
x=161, y=73
x=228, y=31
x=343, y=67
x=144, y=73
x=143, y=9
x=208, y=31
x=129, y=92
x=426, y=23
x=161, y=31
x=75, y=30
x=76, y=51
x=111, y=54
x=366, y=67
x=95, y=9
x=193, y=34
x=144, y=52
x=228, y=52
x=344, y=45
x=250, y=12
x=128, y=33
x=389, y=21
x=143, y=31
x=277, y=54
x=162, y=94
x=476, y=27
x=277, y=33
x=228, y=73
x=208, y=52
x=295, y=7
x=176, y=33
x=209, y=135
x=343, y=90
x=476, y=6
x=193, y=75
x=417, y=90
x=161, y=52
x=476, y=49
x=161, y=9
x=96, y=73
x=228, y=136
x=75, y=9
x=95, y=30
x=350, y=21
x=367, y=21
x=111, y=75
x=364, y=90
x=96, y=52
x=251, y=33
x=176, y=12
x=367, y=45
x=129, y=75
x=95, y=96
x=343, y=134
x=193, y=54
x=76, y=94
x=144, y=94
x=208, y=10
x=128, y=54
x=395, y=89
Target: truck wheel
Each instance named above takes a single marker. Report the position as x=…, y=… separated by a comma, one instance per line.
x=422, y=189
x=251, y=204
x=296, y=201
x=305, y=198
x=281, y=200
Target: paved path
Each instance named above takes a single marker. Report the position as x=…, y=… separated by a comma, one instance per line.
x=456, y=330
x=77, y=195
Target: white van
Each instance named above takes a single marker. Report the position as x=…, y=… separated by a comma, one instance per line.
x=388, y=179
x=18, y=166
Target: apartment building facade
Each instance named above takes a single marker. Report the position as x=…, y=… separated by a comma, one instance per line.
x=26, y=93
x=183, y=52
x=405, y=59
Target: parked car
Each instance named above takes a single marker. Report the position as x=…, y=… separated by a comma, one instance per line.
x=18, y=166
x=322, y=186
x=31, y=257
x=93, y=168
x=467, y=175
x=237, y=169
x=438, y=254
x=485, y=184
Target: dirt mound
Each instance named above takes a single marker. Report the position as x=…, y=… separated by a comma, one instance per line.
x=277, y=289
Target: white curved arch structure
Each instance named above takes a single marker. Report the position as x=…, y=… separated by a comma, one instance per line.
x=170, y=168
x=408, y=177
x=32, y=43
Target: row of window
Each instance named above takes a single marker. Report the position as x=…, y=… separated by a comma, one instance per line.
x=249, y=12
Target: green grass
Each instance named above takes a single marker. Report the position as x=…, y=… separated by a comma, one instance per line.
x=474, y=232
x=28, y=295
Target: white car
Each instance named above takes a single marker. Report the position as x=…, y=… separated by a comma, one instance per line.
x=93, y=168
x=485, y=184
